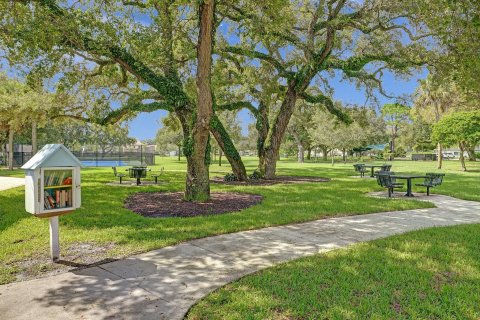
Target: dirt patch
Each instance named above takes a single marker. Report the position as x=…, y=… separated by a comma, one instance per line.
x=442, y=279
x=76, y=256
x=269, y=182
x=171, y=204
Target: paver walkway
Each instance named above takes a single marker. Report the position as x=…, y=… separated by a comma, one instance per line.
x=9, y=182
x=164, y=283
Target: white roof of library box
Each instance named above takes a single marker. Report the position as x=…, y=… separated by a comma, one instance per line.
x=52, y=155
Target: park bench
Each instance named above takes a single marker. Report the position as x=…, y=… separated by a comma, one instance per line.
x=384, y=168
x=117, y=174
x=360, y=168
x=157, y=174
x=431, y=180
x=385, y=179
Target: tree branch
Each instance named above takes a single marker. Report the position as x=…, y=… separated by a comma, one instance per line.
x=261, y=56
x=132, y=107
x=329, y=105
x=172, y=91
x=237, y=106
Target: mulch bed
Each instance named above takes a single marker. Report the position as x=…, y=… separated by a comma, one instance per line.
x=171, y=204
x=276, y=180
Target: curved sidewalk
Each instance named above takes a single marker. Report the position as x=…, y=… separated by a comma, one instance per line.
x=164, y=283
x=11, y=182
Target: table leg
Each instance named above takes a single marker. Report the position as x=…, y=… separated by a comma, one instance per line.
x=371, y=175
x=138, y=181
x=409, y=188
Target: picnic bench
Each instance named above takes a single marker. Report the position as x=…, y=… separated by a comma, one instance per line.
x=431, y=180
x=387, y=180
x=117, y=174
x=360, y=168
x=156, y=175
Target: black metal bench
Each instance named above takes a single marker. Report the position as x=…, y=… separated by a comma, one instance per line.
x=432, y=180
x=118, y=175
x=385, y=179
x=156, y=175
x=360, y=168
x=384, y=168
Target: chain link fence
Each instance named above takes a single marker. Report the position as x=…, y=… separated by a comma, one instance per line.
x=116, y=156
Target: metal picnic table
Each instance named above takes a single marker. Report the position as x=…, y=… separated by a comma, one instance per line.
x=409, y=178
x=138, y=173
x=373, y=168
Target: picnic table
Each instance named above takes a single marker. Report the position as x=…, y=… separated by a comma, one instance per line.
x=373, y=168
x=138, y=173
x=409, y=178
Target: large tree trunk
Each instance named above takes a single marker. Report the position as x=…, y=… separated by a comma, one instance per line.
x=300, y=153
x=197, y=183
x=324, y=153
x=268, y=164
x=10, y=149
x=34, y=138
x=263, y=127
x=300, y=149
x=471, y=153
x=462, y=158
x=228, y=148
x=392, y=144
x=267, y=167
x=439, y=156
x=309, y=153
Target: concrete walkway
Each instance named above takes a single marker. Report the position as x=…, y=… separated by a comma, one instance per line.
x=9, y=183
x=165, y=283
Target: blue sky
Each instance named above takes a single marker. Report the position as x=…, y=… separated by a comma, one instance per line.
x=145, y=125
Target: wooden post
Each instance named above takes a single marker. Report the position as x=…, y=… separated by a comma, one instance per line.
x=54, y=239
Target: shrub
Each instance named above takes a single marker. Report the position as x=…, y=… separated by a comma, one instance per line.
x=400, y=152
x=230, y=177
x=255, y=175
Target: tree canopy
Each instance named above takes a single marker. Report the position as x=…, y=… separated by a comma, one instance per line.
x=462, y=128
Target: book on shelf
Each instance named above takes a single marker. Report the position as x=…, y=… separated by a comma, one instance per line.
x=49, y=201
x=56, y=178
x=58, y=199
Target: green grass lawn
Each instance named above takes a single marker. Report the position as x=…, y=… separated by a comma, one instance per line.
x=428, y=274
x=105, y=229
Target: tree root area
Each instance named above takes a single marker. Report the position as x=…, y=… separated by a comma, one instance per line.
x=171, y=204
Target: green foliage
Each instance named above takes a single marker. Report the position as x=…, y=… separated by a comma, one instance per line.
x=366, y=129
x=256, y=175
x=457, y=27
x=400, y=152
x=396, y=113
x=229, y=177
x=170, y=136
x=458, y=127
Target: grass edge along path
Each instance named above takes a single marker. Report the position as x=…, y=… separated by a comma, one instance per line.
x=107, y=230
x=427, y=274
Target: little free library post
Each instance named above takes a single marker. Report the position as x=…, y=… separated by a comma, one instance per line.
x=52, y=187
